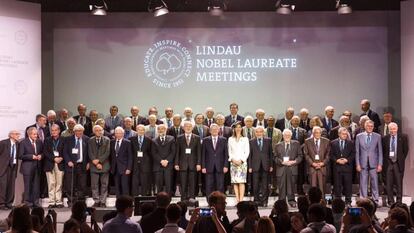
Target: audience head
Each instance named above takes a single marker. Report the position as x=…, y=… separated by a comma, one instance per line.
x=40, y=213
x=368, y=205
x=242, y=209
x=125, y=205
x=280, y=207
x=316, y=213
x=71, y=226
x=173, y=213
x=297, y=221
x=108, y=216
x=365, y=105
x=398, y=216
x=146, y=208
x=217, y=200
x=303, y=205
x=22, y=221
x=162, y=200
x=183, y=207
x=314, y=195
x=338, y=206
x=265, y=225
x=79, y=211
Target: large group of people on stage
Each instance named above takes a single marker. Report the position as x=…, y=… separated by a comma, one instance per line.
x=202, y=153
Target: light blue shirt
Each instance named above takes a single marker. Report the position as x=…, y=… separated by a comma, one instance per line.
x=122, y=224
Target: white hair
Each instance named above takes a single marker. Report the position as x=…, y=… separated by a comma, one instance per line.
x=343, y=118
x=340, y=130
x=152, y=116
x=119, y=129
x=187, y=123
x=366, y=101
x=51, y=113
x=248, y=118
x=214, y=125
x=220, y=116
x=140, y=126
x=259, y=127
x=329, y=108
x=290, y=109
x=208, y=109
x=392, y=124
x=304, y=110
x=95, y=127
x=78, y=127
x=295, y=117
x=260, y=111
x=363, y=118
x=287, y=132
x=316, y=128
x=188, y=109
x=54, y=126
x=127, y=119
x=70, y=119
x=31, y=129
x=162, y=126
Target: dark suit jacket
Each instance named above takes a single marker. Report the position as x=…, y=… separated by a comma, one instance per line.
x=46, y=131
x=302, y=134
x=49, y=156
x=333, y=124
x=228, y=120
x=145, y=121
x=146, y=160
x=171, y=131
x=280, y=124
x=59, y=123
x=205, y=122
x=140, y=120
x=87, y=125
x=184, y=160
x=122, y=162
x=255, y=123
x=348, y=153
x=402, y=151
x=68, y=145
x=206, y=131
x=294, y=153
x=309, y=150
x=226, y=131
x=5, y=149
x=259, y=157
x=217, y=158
x=163, y=151
x=305, y=126
x=100, y=152
x=374, y=117
x=333, y=134
x=153, y=221
x=26, y=152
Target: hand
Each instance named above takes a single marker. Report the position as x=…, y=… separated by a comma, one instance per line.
x=365, y=218
x=225, y=170
x=271, y=169
x=379, y=168
x=315, y=165
x=204, y=171
x=177, y=167
x=127, y=172
x=291, y=163
x=99, y=166
x=70, y=164
x=250, y=170
x=321, y=164
x=195, y=216
x=34, y=157
x=58, y=159
x=340, y=161
x=39, y=157
x=87, y=166
x=358, y=168
x=95, y=162
x=344, y=160
x=198, y=167
x=214, y=214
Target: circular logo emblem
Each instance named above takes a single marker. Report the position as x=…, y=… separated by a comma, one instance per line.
x=167, y=63
x=20, y=37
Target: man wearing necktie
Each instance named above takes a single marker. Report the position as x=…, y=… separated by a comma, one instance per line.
x=151, y=128
x=209, y=117
x=142, y=175
x=83, y=119
x=129, y=131
x=31, y=154
x=248, y=128
x=369, y=160
x=387, y=118
x=342, y=158
x=98, y=151
x=234, y=116
x=75, y=154
x=167, y=120
x=288, y=155
x=121, y=164
x=114, y=120
x=188, y=161
x=260, y=118
x=201, y=130
x=136, y=118
x=316, y=150
x=328, y=121
x=395, y=147
x=163, y=154
x=8, y=169
x=176, y=129
x=224, y=131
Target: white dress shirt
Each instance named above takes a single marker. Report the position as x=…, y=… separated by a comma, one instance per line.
x=239, y=150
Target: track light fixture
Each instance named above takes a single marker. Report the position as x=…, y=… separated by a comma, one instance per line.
x=343, y=7
x=284, y=7
x=98, y=8
x=158, y=7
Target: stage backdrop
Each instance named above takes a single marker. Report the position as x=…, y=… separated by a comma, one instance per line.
x=257, y=59
x=20, y=65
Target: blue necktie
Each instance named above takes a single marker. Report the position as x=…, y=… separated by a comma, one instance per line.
x=13, y=154
x=140, y=142
x=369, y=139
x=342, y=145
x=260, y=144
x=393, y=144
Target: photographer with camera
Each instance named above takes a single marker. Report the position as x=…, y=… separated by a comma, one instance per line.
x=80, y=213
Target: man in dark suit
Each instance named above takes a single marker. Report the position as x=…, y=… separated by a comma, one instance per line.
x=304, y=119
x=288, y=155
x=316, y=150
x=41, y=126
x=121, y=164
x=8, y=168
x=260, y=163
x=98, y=152
x=75, y=154
x=233, y=117
x=366, y=110
x=328, y=122
x=199, y=129
x=260, y=119
x=299, y=134
x=345, y=122
x=175, y=130
x=156, y=220
x=285, y=122
x=152, y=111
x=188, y=161
x=53, y=166
x=136, y=118
x=31, y=154
x=214, y=160
x=163, y=154
x=209, y=117
x=142, y=163
x=387, y=117
x=342, y=154
x=395, y=149
x=224, y=131
x=52, y=119
x=83, y=119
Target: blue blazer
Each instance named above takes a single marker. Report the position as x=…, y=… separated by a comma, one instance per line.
x=68, y=145
x=26, y=152
x=371, y=153
x=217, y=158
x=123, y=161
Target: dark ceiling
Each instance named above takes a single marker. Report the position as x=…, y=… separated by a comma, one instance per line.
x=201, y=5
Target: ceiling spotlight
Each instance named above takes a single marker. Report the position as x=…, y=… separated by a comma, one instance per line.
x=99, y=8
x=216, y=7
x=158, y=7
x=284, y=7
x=343, y=7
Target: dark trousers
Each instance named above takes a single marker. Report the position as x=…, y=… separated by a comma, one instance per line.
x=188, y=181
x=318, y=180
x=260, y=185
x=7, y=182
x=32, y=188
x=163, y=178
x=75, y=177
x=343, y=185
x=214, y=182
x=301, y=177
x=121, y=184
x=394, y=178
x=141, y=183
x=286, y=183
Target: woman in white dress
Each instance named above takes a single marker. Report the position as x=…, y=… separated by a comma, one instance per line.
x=239, y=150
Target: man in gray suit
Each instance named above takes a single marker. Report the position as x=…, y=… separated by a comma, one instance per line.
x=288, y=154
x=368, y=158
x=113, y=121
x=98, y=151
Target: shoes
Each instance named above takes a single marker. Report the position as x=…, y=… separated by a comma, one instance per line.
x=51, y=206
x=102, y=205
x=59, y=206
x=292, y=204
x=97, y=204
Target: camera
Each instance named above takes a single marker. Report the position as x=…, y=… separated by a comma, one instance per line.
x=205, y=212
